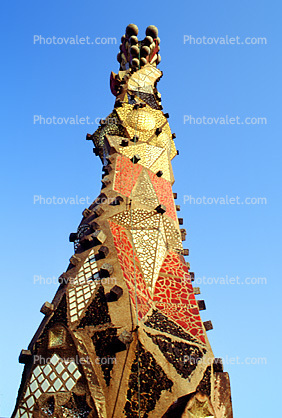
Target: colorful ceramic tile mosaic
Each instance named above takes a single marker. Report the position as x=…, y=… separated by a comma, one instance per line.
x=164, y=193
x=175, y=297
x=146, y=77
x=140, y=296
x=143, y=122
x=144, y=191
x=144, y=219
x=126, y=175
x=150, y=246
x=56, y=375
x=122, y=338
x=82, y=287
x=148, y=153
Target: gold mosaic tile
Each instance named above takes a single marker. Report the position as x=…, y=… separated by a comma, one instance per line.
x=146, y=76
x=144, y=122
x=150, y=246
x=56, y=337
x=144, y=191
x=148, y=153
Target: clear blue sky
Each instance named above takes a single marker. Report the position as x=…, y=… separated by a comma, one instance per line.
x=215, y=160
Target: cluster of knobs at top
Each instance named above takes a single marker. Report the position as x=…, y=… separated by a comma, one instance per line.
x=135, y=54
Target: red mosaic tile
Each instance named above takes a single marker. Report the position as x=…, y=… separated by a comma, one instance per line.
x=126, y=175
x=164, y=193
x=131, y=271
x=175, y=297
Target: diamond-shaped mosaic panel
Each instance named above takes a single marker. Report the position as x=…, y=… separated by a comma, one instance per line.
x=55, y=376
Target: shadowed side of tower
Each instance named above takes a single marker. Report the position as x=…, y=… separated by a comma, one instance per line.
x=123, y=336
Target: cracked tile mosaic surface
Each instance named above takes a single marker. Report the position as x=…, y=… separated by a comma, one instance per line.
x=145, y=76
x=163, y=164
x=144, y=191
x=144, y=219
x=164, y=193
x=174, y=296
x=126, y=175
x=150, y=246
x=130, y=267
x=144, y=122
x=148, y=153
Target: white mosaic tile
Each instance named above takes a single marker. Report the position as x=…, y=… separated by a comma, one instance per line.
x=82, y=287
x=70, y=384
x=54, y=359
x=59, y=368
x=24, y=414
x=58, y=384
x=33, y=387
x=37, y=371
x=37, y=393
x=47, y=369
x=72, y=367
x=63, y=375
x=30, y=402
x=52, y=376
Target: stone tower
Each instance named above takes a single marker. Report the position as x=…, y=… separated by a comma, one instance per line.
x=123, y=335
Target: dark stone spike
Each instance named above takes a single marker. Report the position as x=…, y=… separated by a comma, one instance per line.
x=161, y=209
x=208, y=325
x=115, y=293
x=89, y=137
x=135, y=159
x=73, y=237
x=124, y=143
x=25, y=356
x=218, y=365
x=201, y=305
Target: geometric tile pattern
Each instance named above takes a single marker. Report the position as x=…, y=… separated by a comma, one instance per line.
x=148, y=153
x=129, y=263
x=137, y=217
x=146, y=76
x=174, y=296
x=150, y=246
x=160, y=254
x=173, y=236
x=55, y=376
x=163, y=164
x=164, y=193
x=144, y=123
x=82, y=287
x=145, y=219
x=126, y=174
x=153, y=157
x=144, y=191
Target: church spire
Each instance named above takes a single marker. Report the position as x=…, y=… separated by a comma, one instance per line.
x=123, y=336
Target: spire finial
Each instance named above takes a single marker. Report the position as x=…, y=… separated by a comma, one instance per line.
x=134, y=53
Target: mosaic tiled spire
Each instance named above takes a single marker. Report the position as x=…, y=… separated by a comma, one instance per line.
x=123, y=336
